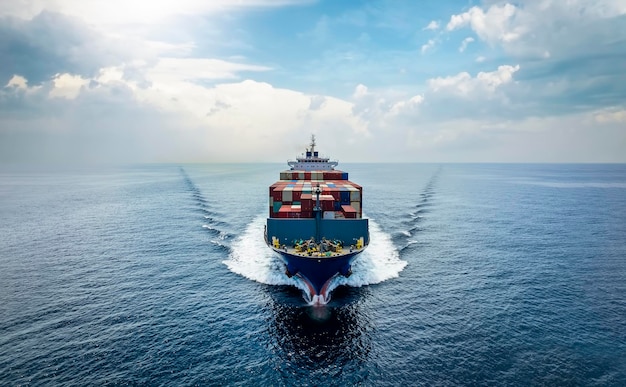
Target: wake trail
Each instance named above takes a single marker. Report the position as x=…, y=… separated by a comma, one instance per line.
x=211, y=224
x=422, y=208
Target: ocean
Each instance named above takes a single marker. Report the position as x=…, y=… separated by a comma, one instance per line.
x=477, y=274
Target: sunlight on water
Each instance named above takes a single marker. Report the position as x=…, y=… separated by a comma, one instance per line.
x=251, y=258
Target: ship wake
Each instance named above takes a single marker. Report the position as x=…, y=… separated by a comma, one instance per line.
x=412, y=225
x=202, y=205
x=250, y=257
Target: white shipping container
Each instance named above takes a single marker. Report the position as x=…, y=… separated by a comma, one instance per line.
x=288, y=194
x=329, y=214
x=355, y=196
x=356, y=206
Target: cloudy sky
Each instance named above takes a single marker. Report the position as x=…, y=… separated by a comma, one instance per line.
x=249, y=80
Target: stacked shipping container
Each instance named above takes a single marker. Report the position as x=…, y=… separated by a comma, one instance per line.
x=292, y=196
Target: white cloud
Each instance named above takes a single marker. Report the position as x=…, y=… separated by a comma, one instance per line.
x=429, y=45
x=109, y=74
x=67, y=86
x=227, y=107
x=19, y=84
x=131, y=11
x=227, y=122
x=17, y=81
x=491, y=26
x=493, y=79
x=465, y=42
x=445, y=98
x=543, y=28
x=180, y=69
x=612, y=115
x=463, y=84
x=433, y=25
x=410, y=105
x=360, y=91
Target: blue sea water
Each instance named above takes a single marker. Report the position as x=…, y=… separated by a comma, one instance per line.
x=477, y=274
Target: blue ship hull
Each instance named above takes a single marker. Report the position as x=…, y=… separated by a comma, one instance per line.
x=318, y=272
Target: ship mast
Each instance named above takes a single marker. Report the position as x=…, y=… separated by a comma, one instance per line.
x=312, y=144
x=318, y=211
x=311, y=160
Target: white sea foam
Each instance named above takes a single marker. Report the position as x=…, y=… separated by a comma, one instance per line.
x=379, y=262
x=251, y=258
x=221, y=235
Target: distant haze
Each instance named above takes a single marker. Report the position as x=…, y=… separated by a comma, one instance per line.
x=239, y=81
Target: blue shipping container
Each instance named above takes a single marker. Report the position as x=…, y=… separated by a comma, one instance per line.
x=345, y=197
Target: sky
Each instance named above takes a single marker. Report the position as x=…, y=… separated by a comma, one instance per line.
x=133, y=81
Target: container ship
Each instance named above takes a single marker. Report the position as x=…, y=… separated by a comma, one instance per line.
x=315, y=221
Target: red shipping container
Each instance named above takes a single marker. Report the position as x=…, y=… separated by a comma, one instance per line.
x=333, y=175
x=347, y=208
x=277, y=194
x=328, y=205
x=296, y=195
x=348, y=211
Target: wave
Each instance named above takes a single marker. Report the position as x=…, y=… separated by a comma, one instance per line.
x=411, y=225
x=214, y=226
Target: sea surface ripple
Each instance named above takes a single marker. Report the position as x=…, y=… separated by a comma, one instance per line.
x=478, y=274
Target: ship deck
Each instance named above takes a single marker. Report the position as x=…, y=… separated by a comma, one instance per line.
x=319, y=255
